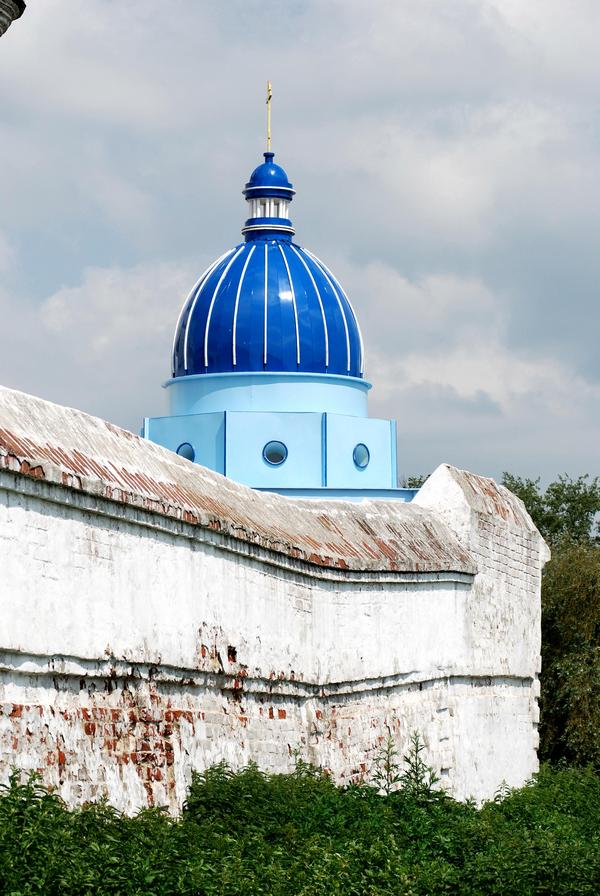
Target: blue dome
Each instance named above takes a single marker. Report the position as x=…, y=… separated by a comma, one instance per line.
x=268, y=179
x=267, y=305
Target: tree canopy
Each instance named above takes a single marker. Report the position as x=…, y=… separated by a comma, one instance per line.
x=566, y=513
x=567, y=509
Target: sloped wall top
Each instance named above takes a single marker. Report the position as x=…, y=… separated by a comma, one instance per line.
x=63, y=446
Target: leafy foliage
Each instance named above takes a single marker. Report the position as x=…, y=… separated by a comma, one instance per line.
x=299, y=834
x=416, y=779
x=415, y=481
x=566, y=514
x=570, y=698
x=386, y=774
x=567, y=510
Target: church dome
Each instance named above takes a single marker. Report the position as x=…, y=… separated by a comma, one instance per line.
x=267, y=304
x=267, y=179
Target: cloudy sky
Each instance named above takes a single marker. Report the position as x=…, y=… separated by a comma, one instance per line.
x=446, y=157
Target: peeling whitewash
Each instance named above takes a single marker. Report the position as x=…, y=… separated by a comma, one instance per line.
x=141, y=637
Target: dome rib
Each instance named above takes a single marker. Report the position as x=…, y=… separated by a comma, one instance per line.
x=182, y=320
x=237, y=304
x=214, y=299
x=330, y=280
x=266, y=308
x=319, y=299
x=294, y=305
x=355, y=321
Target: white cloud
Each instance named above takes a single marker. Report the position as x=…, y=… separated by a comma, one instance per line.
x=449, y=332
x=447, y=161
x=104, y=345
x=116, y=312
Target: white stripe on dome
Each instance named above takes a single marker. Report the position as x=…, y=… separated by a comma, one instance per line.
x=360, y=337
x=287, y=267
x=199, y=284
x=237, y=302
x=329, y=278
x=316, y=289
x=266, y=297
x=214, y=298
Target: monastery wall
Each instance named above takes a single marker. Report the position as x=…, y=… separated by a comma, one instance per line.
x=156, y=618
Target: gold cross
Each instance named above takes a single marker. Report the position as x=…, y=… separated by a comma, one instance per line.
x=269, y=95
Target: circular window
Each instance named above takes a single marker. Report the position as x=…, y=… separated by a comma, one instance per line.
x=275, y=453
x=361, y=456
x=186, y=450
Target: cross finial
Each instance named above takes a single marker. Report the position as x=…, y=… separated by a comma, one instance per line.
x=269, y=95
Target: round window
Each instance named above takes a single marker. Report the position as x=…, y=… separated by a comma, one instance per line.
x=186, y=450
x=275, y=453
x=361, y=456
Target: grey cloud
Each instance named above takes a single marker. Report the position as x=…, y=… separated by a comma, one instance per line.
x=447, y=163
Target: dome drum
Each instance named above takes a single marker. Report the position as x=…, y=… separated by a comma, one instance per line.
x=298, y=392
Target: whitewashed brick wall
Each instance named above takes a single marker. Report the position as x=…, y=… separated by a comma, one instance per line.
x=134, y=648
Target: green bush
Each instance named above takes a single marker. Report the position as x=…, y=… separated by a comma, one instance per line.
x=252, y=833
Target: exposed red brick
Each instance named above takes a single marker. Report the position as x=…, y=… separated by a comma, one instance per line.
x=281, y=713
x=181, y=714
x=149, y=793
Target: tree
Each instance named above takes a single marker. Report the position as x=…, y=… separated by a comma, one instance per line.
x=415, y=481
x=567, y=509
x=570, y=692
x=566, y=514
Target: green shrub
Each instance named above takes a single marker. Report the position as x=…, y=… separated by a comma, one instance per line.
x=252, y=833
